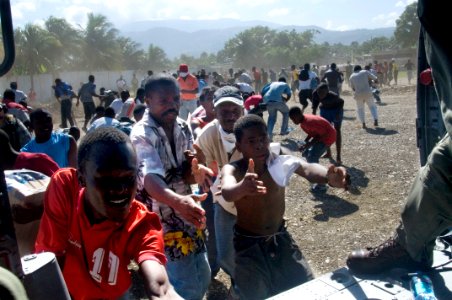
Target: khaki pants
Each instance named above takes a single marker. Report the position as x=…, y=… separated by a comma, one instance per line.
x=428, y=211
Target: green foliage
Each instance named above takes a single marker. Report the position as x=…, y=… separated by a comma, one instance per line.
x=407, y=27
x=98, y=46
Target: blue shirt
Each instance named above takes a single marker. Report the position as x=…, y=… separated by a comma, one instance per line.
x=57, y=147
x=86, y=92
x=275, y=92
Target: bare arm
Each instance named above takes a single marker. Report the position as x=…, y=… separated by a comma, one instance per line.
x=232, y=190
x=156, y=281
x=316, y=173
x=186, y=205
x=72, y=154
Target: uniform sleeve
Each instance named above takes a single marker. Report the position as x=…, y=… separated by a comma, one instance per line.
x=61, y=194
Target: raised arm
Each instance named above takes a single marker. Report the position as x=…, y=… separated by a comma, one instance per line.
x=156, y=279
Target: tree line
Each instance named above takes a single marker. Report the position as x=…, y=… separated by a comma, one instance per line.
x=59, y=46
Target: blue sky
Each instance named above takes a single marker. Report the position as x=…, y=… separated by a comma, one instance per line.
x=328, y=14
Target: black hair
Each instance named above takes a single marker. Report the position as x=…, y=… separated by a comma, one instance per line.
x=282, y=79
x=161, y=81
x=99, y=109
x=322, y=86
x=9, y=94
x=125, y=95
x=307, y=66
x=248, y=121
x=207, y=93
x=333, y=66
x=13, y=85
x=357, y=68
x=74, y=132
x=91, y=78
x=140, y=92
x=139, y=109
x=39, y=113
x=295, y=111
x=109, y=112
x=108, y=136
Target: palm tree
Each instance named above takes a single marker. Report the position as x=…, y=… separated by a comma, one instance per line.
x=36, y=50
x=100, y=47
x=70, y=39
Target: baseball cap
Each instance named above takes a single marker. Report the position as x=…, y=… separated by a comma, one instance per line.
x=183, y=68
x=227, y=94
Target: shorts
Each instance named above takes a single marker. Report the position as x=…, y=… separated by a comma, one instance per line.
x=304, y=95
x=89, y=110
x=335, y=115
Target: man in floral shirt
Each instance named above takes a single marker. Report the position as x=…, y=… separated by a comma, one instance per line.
x=161, y=140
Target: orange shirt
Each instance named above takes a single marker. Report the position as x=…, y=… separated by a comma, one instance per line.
x=96, y=256
x=188, y=83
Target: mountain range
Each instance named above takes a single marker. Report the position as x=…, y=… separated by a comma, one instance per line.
x=192, y=37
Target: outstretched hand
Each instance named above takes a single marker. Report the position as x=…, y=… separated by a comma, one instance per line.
x=204, y=175
x=191, y=210
x=249, y=184
x=338, y=177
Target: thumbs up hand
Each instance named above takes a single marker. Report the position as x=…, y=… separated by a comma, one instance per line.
x=250, y=185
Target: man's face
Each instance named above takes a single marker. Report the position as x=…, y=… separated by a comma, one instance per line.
x=43, y=127
x=254, y=144
x=109, y=177
x=227, y=114
x=164, y=105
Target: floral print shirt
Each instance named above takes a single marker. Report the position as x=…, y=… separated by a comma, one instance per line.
x=156, y=156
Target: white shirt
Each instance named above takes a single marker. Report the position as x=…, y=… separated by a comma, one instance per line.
x=306, y=85
x=359, y=82
x=117, y=105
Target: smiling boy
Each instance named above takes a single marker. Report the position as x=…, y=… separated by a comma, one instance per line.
x=267, y=259
x=95, y=227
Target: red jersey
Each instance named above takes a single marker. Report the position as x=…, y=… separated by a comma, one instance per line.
x=96, y=256
x=319, y=128
x=39, y=162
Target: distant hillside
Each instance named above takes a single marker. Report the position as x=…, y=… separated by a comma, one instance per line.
x=192, y=37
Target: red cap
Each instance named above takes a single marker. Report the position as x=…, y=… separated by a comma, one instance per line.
x=183, y=68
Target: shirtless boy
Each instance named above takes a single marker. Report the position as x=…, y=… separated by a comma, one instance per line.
x=267, y=259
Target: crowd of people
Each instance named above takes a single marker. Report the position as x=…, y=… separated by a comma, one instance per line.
x=185, y=178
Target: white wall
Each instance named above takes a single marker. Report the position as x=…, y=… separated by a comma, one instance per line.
x=43, y=82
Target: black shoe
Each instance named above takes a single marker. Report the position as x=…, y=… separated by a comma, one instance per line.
x=384, y=257
x=376, y=123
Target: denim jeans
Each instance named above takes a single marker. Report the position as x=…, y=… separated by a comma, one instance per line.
x=224, y=229
x=190, y=275
x=211, y=243
x=187, y=106
x=314, y=152
x=273, y=107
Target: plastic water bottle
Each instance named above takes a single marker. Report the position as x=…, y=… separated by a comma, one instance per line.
x=422, y=287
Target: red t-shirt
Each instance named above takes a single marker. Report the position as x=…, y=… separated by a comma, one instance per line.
x=319, y=128
x=39, y=162
x=96, y=256
x=252, y=101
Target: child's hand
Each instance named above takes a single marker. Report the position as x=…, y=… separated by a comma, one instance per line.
x=338, y=177
x=249, y=184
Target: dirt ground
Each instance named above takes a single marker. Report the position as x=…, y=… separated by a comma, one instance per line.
x=382, y=163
